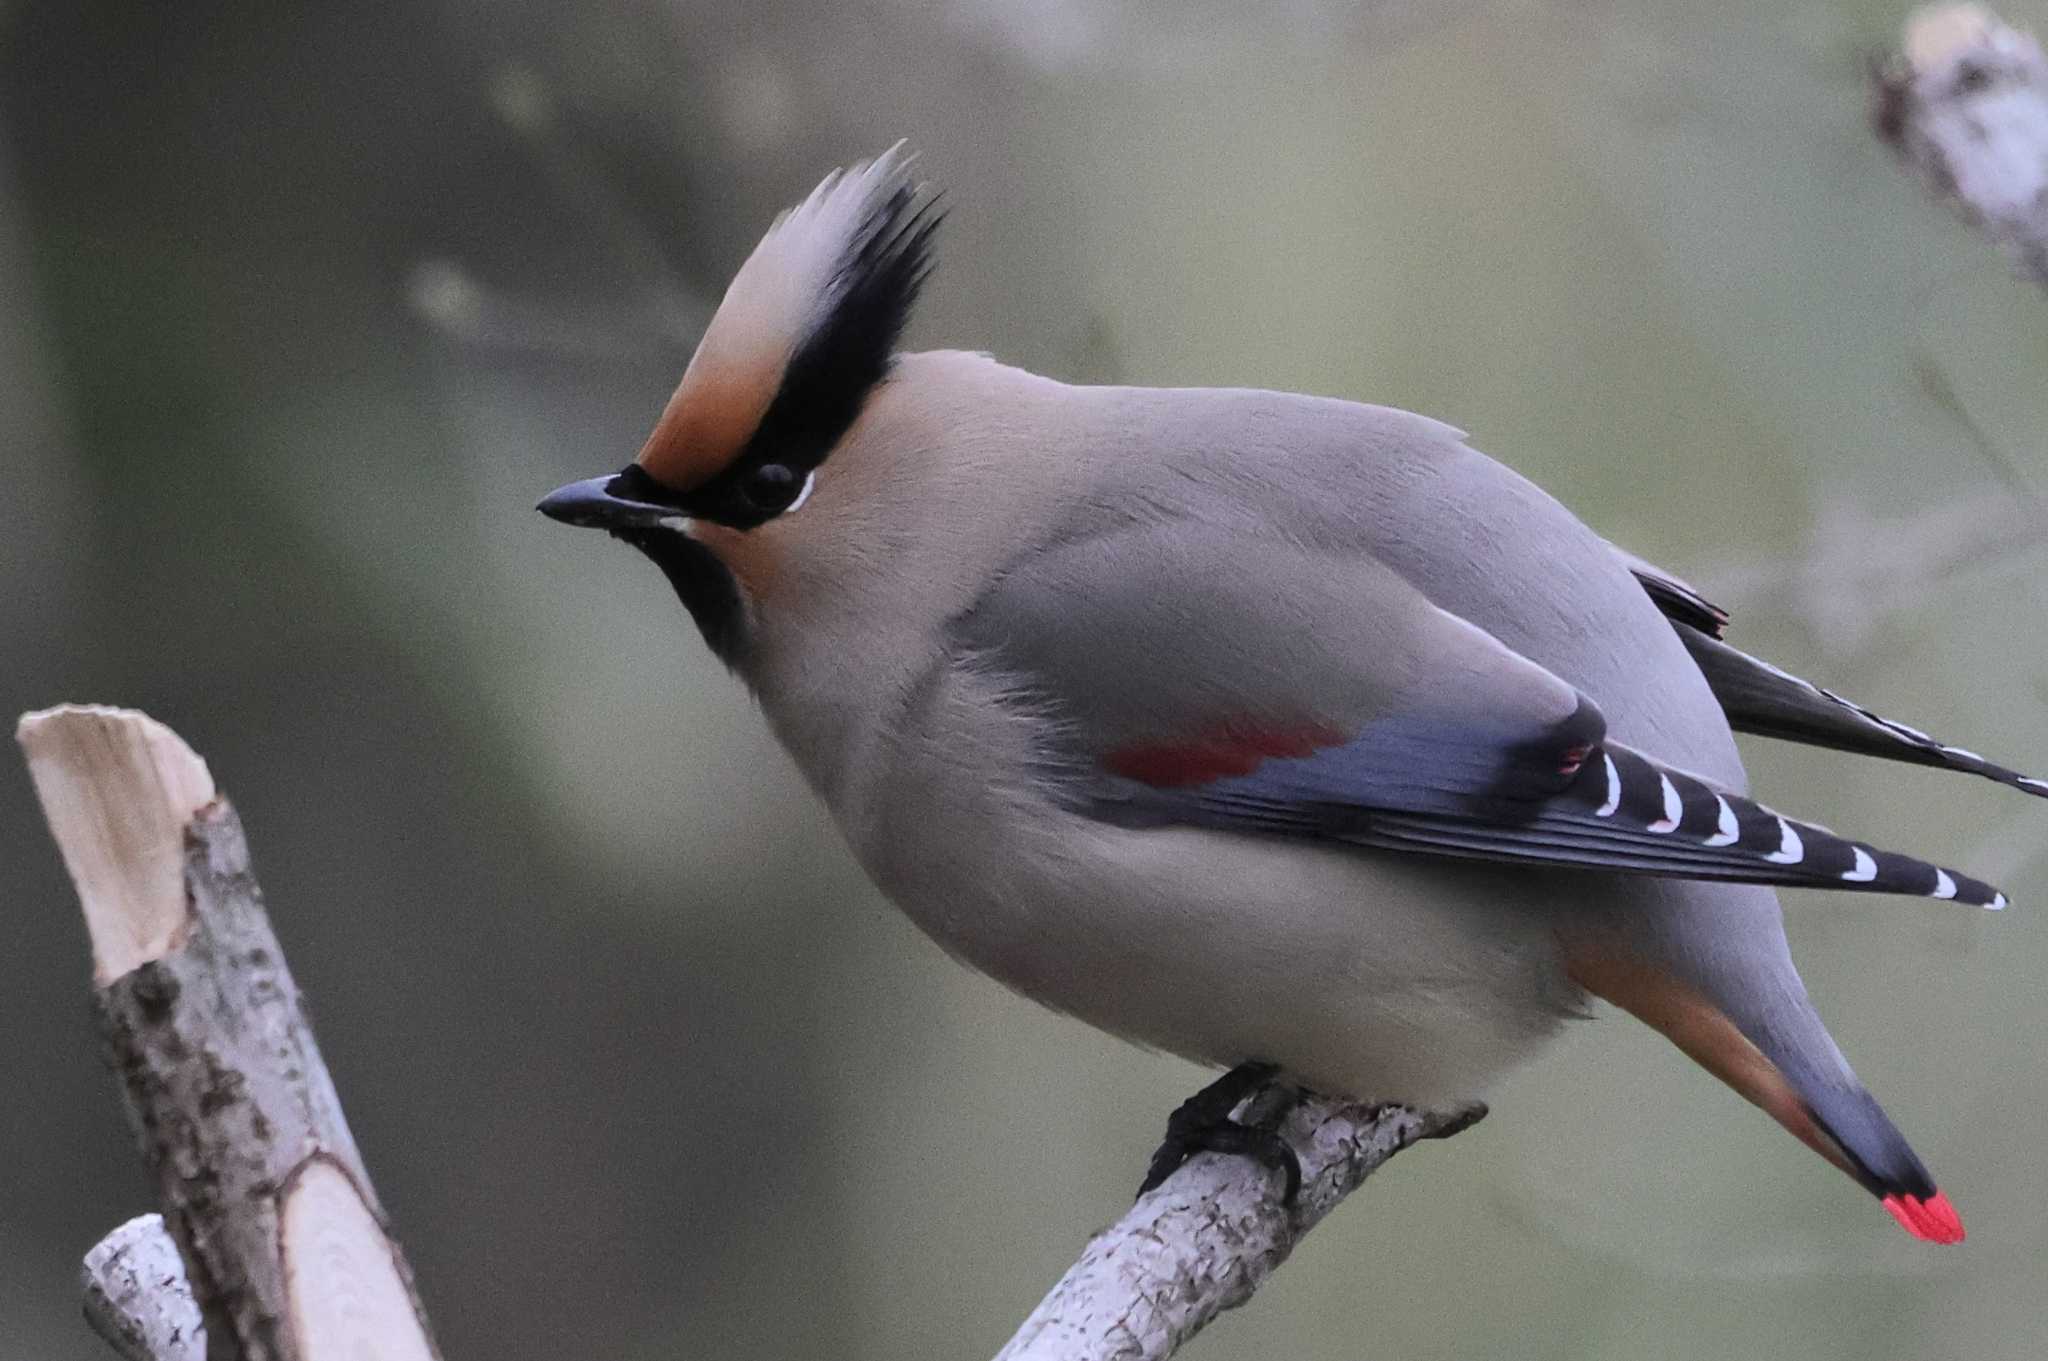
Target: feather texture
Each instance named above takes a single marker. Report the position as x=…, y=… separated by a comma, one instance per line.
x=1389, y=723
x=1619, y=811
x=1763, y=699
x=805, y=330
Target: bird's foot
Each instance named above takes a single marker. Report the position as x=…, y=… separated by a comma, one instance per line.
x=1202, y=1124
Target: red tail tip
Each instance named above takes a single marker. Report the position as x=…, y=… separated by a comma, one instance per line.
x=1933, y=1220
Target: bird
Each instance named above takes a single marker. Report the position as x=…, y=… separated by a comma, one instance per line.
x=1283, y=733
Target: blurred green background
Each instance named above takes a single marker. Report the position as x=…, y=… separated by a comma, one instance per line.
x=305, y=306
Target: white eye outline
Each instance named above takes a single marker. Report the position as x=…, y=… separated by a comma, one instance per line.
x=810, y=481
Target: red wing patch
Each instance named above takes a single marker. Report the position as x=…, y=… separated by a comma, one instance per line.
x=1234, y=749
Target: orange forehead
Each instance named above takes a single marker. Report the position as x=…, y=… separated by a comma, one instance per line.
x=713, y=412
x=776, y=300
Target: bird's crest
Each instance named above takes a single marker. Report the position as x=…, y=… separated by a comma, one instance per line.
x=806, y=329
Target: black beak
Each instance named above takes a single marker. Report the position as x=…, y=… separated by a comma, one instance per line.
x=595, y=502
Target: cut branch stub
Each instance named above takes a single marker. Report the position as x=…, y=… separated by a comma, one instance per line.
x=284, y=1243
x=118, y=789
x=348, y=1301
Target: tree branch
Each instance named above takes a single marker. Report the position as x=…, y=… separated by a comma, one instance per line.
x=285, y=1248
x=1212, y=1233
x=136, y=1295
x=1966, y=106
x=272, y=1238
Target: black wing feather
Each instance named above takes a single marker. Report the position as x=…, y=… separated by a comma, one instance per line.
x=1767, y=848
x=1677, y=598
x=1761, y=699
x=1614, y=810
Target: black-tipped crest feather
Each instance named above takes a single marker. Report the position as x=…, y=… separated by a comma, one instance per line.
x=845, y=353
x=848, y=350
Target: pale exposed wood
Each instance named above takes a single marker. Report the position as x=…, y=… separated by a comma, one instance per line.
x=1209, y=1236
x=347, y=1301
x=230, y=1099
x=117, y=788
x=136, y=1295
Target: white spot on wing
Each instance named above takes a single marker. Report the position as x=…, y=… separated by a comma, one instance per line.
x=1944, y=887
x=1866, y=868
x=1606, y=810
x=1965, y=753
x=1673, y=809
x=1997, y=903
x=2032, y=783
x=1791, y=850
x=1727, y=830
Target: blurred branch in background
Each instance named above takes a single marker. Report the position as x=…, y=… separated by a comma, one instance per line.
x=286, y=1251
x=1966, y=105
x=526, y=106
x=1212, y=1233
x=665, y=310
x=1859, y=568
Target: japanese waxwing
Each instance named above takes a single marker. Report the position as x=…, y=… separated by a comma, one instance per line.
x=1248, y=726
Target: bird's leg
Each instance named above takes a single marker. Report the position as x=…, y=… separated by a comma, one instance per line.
x=1202, y=1124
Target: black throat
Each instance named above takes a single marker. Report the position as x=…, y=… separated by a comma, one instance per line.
x=703, y=583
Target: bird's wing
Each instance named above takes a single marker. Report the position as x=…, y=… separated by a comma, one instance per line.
x=1762, y=699
x=1678, y=598
x=1216, y=676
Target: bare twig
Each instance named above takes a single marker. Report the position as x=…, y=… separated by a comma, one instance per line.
x=284, y=1245
x=137, y=1297
x=1966, y=105
x=1211, y=1235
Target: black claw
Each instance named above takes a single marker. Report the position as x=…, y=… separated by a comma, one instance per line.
x=1198, y=1115
x=1202, y=1124
x=1263, y=1146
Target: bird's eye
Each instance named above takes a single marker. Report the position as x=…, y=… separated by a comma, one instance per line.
x=772, y=486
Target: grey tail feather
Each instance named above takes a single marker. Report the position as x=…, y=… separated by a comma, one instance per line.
x=1882, y=1162
x=1759, y=698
